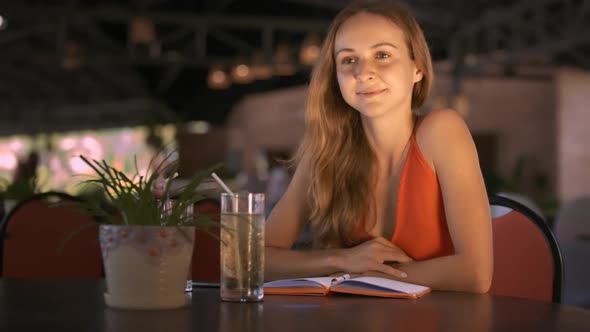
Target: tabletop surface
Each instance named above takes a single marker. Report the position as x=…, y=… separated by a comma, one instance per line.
x=78, y=305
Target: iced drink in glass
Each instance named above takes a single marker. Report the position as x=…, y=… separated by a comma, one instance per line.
x=242, y=247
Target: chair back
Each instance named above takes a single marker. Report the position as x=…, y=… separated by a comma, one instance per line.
x=524, y=200
x=206, y=261
x=37, y=228
x=572, y=229
x=527, y=258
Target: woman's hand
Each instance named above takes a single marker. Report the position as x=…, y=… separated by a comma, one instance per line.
x=373, y=255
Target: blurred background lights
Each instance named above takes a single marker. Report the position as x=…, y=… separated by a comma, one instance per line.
x=2, y=22
x=16, y=145
x=218, y=79
x=260, y=69
x=67, y=143
x=284, y=64
x=91, y=144
x=198, y=127
x=310, y=54
x=242, y=74
x=78, y=166
x=310, y=50
x=7, y=160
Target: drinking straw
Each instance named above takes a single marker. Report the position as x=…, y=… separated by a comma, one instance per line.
x=226, y=188
x=235, y=210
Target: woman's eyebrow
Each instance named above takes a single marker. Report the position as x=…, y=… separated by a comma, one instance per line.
x=346, y=49
x=384, y=44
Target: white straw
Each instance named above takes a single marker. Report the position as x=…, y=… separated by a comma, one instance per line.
x=234, y=246
x=227, y=190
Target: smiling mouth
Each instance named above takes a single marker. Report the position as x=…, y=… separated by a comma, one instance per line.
x=369, y=93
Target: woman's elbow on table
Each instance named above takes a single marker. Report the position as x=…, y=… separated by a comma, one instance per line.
x=482, y=285
x=482, y=279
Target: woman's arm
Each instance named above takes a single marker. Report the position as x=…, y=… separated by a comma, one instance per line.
x=447, y=145
x=286, y=222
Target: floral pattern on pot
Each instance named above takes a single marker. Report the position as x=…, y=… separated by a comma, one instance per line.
x=154, y=241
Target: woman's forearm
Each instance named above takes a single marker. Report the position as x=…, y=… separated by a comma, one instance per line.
x=285, y=263
x=454, y=273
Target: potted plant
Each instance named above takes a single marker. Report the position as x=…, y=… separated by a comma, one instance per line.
x=147, y=244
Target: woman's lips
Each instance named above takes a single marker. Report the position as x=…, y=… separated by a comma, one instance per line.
x=369, y=93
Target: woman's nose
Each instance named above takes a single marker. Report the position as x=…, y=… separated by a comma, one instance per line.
x=364, y=71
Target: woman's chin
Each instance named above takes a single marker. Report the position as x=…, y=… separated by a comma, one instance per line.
x=372, y=112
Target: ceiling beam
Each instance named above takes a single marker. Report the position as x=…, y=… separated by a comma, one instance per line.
x=120, y=15
x=202, y=29
x=217, y=5
x=529, y=27
x=31, y=81
x=522, y=33
x=425, y=14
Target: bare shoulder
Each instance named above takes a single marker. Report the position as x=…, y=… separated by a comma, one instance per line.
x=439, y=125
x=440, y=134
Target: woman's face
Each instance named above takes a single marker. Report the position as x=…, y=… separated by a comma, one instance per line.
x=373, y=65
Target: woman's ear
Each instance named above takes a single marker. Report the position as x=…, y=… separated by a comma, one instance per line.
x=418, y=75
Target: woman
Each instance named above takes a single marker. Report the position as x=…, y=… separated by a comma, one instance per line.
x=387, y=191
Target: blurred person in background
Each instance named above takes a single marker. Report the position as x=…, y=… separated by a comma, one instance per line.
x=26, y=170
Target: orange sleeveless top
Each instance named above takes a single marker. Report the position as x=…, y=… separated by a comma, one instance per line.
x=421, y=226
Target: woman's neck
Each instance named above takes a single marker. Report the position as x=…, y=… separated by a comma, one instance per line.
x=388, y=136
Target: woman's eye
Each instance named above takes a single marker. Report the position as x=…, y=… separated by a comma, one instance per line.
x=382, y=55
x=347, y=61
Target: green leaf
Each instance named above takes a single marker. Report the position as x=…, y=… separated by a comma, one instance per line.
x=135, y=201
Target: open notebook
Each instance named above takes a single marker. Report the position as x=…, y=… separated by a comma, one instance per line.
x=369, y=286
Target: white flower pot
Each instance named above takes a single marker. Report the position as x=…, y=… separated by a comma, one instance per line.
x=146, y=267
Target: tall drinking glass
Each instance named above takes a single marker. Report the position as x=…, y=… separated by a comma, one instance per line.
x=186, y=214
x=242, y=247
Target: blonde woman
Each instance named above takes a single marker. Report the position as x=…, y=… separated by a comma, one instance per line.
x=386, y=190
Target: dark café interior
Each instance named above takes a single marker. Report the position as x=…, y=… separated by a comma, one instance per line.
x=127, y=126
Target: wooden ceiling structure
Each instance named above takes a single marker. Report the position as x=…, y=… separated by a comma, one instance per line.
x=67, y=65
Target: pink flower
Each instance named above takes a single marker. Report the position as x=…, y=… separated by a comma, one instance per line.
x=159, y=187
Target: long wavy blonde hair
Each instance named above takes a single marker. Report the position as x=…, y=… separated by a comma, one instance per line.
x=341, y=160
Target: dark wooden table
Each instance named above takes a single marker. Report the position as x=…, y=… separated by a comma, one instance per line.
x=77, y=305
